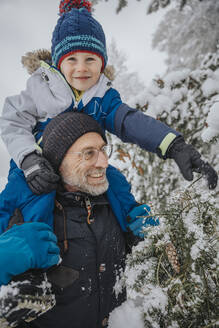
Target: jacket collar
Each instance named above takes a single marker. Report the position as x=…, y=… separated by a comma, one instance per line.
x=78, y=198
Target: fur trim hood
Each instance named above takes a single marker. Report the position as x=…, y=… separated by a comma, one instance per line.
x=31, y=61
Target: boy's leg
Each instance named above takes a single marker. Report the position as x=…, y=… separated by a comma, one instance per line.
x=17, y=194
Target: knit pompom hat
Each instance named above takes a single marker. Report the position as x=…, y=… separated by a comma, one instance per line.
x=62, y=131
x=77, y=30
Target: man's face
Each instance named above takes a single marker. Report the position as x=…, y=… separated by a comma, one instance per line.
x=81, y=70
x=83, y=175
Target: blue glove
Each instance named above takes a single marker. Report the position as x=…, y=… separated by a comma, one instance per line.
x=31, y=245
x=139, y=217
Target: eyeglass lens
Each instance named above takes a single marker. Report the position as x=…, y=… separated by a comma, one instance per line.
x=92, y=154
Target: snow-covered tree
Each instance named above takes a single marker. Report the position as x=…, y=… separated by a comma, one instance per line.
x=212, y=122
x=188, y=35
x=182, y=99
x=155, y=5
x=173, y=275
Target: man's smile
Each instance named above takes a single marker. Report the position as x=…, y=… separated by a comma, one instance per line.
x=96, y=176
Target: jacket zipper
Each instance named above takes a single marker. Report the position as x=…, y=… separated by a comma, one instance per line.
x=89, y=209
x=65, y=242
x=68, y=86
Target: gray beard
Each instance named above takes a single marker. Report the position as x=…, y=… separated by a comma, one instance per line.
x=83, y=186
x=95, y=190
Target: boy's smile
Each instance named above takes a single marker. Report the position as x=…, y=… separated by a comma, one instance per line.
x=81, y=70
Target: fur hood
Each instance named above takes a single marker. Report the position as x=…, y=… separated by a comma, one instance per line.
x=31, y=61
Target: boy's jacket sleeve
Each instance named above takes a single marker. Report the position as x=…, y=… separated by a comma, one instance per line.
x=21, y=112
x=131, y=125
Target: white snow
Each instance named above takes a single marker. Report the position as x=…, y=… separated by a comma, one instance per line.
x=159, y=104
x=126, y=316
x=176, y=77
x=211, y=85
x=9, y=289
x=212, y=122
x=156, y=298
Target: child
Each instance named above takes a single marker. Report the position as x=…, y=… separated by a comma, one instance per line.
x=76, y=81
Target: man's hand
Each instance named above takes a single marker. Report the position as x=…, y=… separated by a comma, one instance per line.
x=189, y=160
x=27, y=246
x=39, y=174
x=140, y=217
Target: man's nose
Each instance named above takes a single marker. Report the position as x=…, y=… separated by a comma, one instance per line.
x=102, y=160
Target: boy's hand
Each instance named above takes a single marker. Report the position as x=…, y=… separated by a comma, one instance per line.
x=189, y=160
x=39, y=174
x=139, y=217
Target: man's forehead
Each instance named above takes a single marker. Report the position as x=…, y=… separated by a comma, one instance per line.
x=88, y=140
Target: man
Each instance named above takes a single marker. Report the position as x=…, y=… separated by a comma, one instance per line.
x=92, y=243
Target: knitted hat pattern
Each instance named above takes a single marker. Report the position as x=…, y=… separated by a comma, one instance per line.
x=62, y=131
x=77, y=30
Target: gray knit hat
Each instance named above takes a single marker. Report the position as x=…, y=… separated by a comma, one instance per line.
x=62, y=131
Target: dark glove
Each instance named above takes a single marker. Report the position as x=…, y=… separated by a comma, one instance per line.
x=140, y=217
x=189, y=160
x=25, y=298
x=39, y=174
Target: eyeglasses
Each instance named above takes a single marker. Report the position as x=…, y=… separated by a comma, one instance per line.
x=91, y=155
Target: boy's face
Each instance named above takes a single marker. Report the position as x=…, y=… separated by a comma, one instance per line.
x=81, y=70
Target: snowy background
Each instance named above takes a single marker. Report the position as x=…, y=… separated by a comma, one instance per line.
x=191, y=91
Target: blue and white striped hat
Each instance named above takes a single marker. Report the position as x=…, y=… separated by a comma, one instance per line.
x=77, y=30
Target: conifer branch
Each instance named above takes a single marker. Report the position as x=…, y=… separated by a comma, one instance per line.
x=158, y=268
